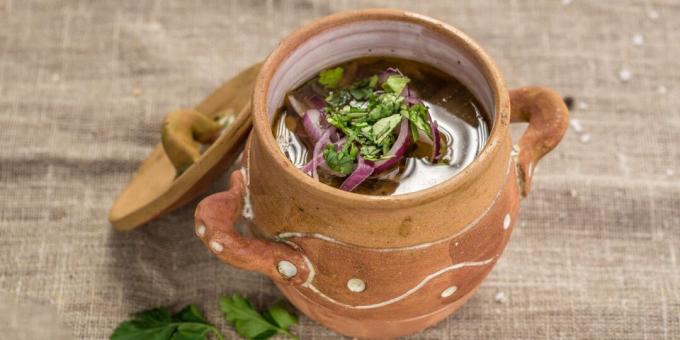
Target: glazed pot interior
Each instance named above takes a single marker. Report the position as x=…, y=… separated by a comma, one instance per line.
x=382, y=38
x=374, y=33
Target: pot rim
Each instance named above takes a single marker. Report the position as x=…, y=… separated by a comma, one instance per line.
x=289, y=44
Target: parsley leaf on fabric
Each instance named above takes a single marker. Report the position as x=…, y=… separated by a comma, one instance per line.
x=250, y=324
x=159, y=324
x=330, y=78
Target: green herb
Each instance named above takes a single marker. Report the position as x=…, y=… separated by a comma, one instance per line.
x=341, y=161
x=250, y=324
x=368, y=116
x=159, y=324
x=330, y=78
x=419, y=116
x=383, y=127
x=395, y=84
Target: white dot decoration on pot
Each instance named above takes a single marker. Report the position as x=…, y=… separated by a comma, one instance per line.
x=356, y=285
x=216, y=246
x=200, y=231
x=506, y=221
x=286, y=269
x=449, y=291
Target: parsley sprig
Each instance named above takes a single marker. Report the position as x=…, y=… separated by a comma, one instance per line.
x=367, y=114
x=159, y=324
x=252, y=325
x=189, y=324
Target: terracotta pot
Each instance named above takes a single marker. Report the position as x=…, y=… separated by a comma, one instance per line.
x=369, y=266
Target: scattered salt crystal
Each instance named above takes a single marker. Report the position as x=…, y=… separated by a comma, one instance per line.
x=638, y=39
x=573, y=193
x=55, y=77
x=566, y=2
x=501, y=298
x=625, y=74
x=585, y=138
x=670, y=172
x=662, y=89
x=652, y=14
x=576, y=125
x=582, y=106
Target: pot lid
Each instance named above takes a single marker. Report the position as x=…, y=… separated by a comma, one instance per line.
x=177, y=171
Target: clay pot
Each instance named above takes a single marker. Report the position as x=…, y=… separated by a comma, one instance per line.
x=369, y=266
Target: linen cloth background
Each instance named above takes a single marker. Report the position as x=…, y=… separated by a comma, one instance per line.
x=84, y=86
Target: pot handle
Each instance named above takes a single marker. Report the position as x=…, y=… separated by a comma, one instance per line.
x=215, y=220
x=548, y=118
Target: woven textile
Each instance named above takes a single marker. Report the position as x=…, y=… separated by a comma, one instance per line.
x=84, y=86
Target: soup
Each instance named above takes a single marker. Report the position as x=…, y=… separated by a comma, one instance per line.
x=381, y=126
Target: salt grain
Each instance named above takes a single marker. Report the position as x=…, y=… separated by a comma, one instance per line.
x=55, y=77
x=638, y=39
x=573, y=193
x=585, y=138
x=501, y=298
x=625, y=74
x=566, y=2
x=652, y=14
x=576, y=125
x=662, y=89
x=582, y=106
x=670, y=172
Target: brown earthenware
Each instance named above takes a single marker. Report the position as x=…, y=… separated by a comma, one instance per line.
x=379, y=266
x=157, y=189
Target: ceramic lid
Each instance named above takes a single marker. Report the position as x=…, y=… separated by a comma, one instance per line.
x=157, y=189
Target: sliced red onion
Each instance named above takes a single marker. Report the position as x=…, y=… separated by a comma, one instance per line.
x=320, y=162
x=412, y=100
x=340, y=143
x=436, y=147
x=316, y=102
x=315, y=124
x=410, y=96
x=394, y=70
x=390, y=175
x=307, y=168
x=382, y=76
x=398, y=148
x=301, y=106
x=317, y=156
x=363, y=170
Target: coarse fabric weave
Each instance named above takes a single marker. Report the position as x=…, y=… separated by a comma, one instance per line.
x=85, y=84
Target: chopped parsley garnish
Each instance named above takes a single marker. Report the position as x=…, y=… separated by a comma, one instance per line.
x=367, y=113
x=331, y=78
x=395, y=83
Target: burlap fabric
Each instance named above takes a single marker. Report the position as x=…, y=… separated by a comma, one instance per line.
x=85, y=84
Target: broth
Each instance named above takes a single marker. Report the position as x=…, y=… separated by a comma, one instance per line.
x=461, y=122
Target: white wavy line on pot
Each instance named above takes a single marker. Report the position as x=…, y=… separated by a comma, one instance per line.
x=247, y=211
x=291, y=234
x=403, y=296
x=308, y=263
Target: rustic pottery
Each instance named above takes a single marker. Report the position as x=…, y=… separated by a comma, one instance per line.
x=370, y=266
x=156, y=189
